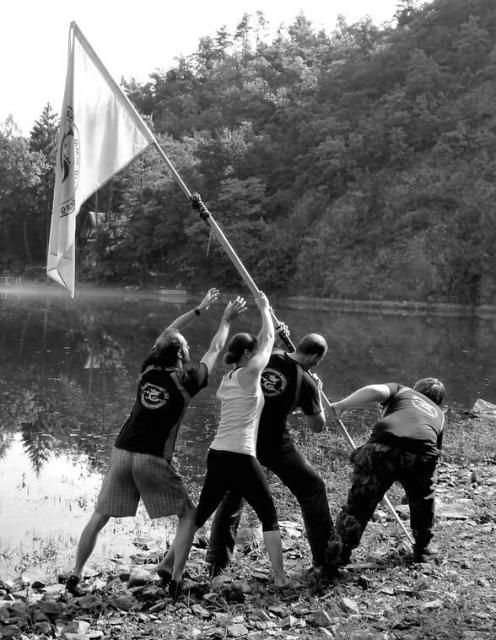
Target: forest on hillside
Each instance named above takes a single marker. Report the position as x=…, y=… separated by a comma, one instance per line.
x=355, y=164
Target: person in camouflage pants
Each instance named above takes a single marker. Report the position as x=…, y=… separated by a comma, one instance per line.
x=404, y=446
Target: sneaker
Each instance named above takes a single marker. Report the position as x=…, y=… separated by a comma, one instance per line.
x=72, y=586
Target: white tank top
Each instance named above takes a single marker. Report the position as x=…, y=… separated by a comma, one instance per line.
x=240, y=412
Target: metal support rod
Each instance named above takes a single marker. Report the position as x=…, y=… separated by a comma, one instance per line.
x=385, y=498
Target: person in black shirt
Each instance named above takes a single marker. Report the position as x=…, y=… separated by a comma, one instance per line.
x=140, y=464
x=404, y=446
x=286, y=384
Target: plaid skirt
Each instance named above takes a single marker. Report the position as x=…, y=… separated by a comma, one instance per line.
x=131, y=476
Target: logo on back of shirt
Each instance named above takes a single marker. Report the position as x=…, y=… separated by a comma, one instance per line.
x=153, y=396
x=424, y=406
x=273, y=382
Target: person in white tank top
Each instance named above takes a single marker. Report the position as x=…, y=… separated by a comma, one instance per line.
x=231, y=462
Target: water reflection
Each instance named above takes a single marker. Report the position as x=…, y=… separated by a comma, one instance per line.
x=68, y=373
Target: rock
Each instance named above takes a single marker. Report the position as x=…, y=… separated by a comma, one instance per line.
x=50, y=607
x=288, y=622
x=34, y=576
x=321, y=618
x=359, y=566
x=124, y=602
x=77, y=626
x=54, y=590
x=260, y=614
x=219, y=582
x=10, y=631
x=200, y=611
x=455, y=509
x=279, y=610
x=43, y=627
x=349, y=605
x=433, y=604
x=243, y=586
x=88, y=602
x=39, y=616
x=485, y=409
x=237, y=630
x=139, y=577
x=365, y=582
x=403, y=510
x=157, y=607
x=293, y=529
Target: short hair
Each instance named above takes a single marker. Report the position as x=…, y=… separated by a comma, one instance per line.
x=238, y=345
x=313, y=344
x=432, y=388
x=166, y=351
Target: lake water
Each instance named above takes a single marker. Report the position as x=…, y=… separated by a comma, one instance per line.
x=68, y=373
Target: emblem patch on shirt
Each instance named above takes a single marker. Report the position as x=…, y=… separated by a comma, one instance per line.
x=153, y=396
x=273, y=382
x=424, y=406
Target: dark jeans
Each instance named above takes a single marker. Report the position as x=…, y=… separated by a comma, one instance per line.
x=375, y=467
x=303, y=482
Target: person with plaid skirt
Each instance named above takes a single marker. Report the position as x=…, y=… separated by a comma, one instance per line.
x=140, y=464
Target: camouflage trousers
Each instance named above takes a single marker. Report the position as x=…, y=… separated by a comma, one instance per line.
x=376, y=467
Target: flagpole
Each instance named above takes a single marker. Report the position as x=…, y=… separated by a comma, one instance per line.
x=195, y=200
x=205, y=214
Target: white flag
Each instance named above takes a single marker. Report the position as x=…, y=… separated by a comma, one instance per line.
x=100, y=133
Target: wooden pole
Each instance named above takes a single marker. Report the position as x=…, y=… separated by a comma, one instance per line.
x=219, y=234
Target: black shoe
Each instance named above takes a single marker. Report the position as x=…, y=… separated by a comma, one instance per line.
x=214, y=570
x=422, y=554
x=72, y=586
x=175, y=589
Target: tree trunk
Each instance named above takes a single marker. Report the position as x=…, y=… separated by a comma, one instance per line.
x=27, y=247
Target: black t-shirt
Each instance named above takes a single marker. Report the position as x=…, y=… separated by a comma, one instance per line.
x=410, y=416
x=286, y=386
x=162, y=397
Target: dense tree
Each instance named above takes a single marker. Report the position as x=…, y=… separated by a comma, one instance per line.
x=358, y=163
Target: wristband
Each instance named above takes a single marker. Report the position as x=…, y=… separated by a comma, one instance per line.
x=196, y=311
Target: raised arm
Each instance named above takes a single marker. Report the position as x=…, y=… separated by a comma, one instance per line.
x=231, y=312
x=317, y=421
x=179, y=323
x=362, y=397
x=253, y=370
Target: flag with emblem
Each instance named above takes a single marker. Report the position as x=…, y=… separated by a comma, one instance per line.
x=100, y=133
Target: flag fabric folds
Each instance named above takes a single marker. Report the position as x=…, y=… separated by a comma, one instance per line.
x=100, y=133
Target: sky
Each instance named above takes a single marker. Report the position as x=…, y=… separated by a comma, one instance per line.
x=133, y=39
